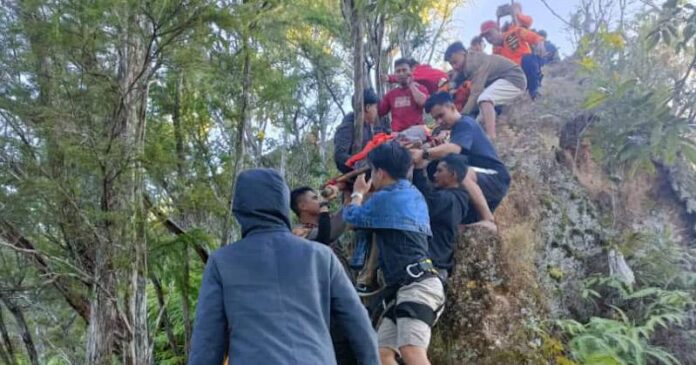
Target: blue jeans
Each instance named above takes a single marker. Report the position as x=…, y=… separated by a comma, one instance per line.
x=531, y=65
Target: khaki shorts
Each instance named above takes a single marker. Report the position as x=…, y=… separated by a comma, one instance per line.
x=500, y=92
x=411, y=331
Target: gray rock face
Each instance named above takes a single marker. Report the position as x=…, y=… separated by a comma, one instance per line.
x=682, y=178
x=553, y=227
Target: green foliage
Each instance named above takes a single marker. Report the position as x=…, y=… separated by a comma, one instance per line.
x=676, y=25
x=608, y=341
x=82, y=145
x=624, y=337
x=644, y=123
x=660, y=260
x=628, y=318
x=646, y=116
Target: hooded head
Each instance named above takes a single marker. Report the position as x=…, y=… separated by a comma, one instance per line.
x=261, y=200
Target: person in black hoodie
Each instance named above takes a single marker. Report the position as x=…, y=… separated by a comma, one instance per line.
x=271, y=297
x=447, y=204
x=343, y=138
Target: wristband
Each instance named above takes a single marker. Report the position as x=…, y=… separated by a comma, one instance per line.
x=426, y=154
x=356, y=195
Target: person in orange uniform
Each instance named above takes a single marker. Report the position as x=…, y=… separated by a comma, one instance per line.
x=516, y=44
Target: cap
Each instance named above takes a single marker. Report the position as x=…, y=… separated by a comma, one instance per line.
x=488, y=25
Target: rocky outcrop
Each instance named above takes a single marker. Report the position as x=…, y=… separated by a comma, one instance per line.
x=682, y=178
x=480, y=317
x=554, y=226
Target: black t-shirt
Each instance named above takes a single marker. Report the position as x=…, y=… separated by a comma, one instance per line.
x=447, y=207
x=476, y=146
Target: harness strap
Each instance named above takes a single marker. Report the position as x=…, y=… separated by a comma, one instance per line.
x=417, y=271
x=391, y=310
x=417, y=311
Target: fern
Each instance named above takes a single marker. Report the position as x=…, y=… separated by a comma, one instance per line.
x=624, y=337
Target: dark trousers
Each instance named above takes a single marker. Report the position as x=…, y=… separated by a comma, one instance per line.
x=531, y=65
x=494, y=188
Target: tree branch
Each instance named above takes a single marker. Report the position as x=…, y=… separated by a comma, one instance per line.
x=75, y=299
x=173, y=227
x=556, y=14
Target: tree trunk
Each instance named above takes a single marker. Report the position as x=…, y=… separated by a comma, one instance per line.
x=405, y=46
x=284, y=147
x=5, y=356
x=353, y=10
x=102, y=312
x=380, y=60
x=140, y=342
x=178, y=132
x=24, y=332
x=182, y=176
x=122, y=196
x=6, y=348
x=239, y=136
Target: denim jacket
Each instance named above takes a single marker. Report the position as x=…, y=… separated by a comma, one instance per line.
x=399, y=206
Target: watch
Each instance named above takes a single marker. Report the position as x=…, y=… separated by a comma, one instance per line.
x=356, y=194
x=323, y=204
x=426, y=154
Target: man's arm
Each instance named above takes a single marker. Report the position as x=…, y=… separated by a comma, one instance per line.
x=347, y=310
x=479, y=70
x=420, y=181
x=419, y=92
x=209, y=342
x=436, y=152
x=461, y=139
x=443, y=150
x=324, y=228
x=356, y=213
x=338, y=226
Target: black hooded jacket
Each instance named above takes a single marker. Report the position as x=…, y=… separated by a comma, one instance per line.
x=343, y=141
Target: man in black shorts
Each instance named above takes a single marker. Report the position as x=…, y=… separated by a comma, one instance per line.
x=488, y=180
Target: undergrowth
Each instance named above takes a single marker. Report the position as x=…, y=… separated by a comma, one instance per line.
x=628, y=318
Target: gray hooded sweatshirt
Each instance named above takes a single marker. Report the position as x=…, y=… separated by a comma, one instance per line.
x=270, y=297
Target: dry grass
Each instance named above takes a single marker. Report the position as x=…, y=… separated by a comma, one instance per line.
x=518, y=219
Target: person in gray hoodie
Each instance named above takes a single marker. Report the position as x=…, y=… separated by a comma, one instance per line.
x=270, y=297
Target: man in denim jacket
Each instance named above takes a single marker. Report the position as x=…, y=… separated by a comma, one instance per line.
x=398, y=215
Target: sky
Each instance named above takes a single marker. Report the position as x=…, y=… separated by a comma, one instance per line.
x=468, y=18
